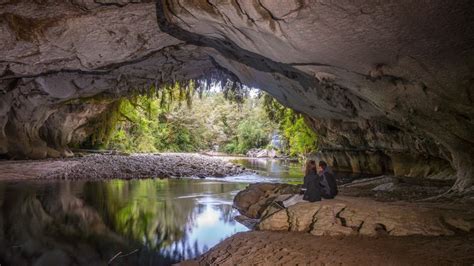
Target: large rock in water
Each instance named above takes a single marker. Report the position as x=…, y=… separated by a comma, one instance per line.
x=253, y=200
x=358, y=216
x=380, y=81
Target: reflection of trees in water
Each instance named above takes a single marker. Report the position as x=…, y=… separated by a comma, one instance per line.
x=41, y=221
x=46, y=224
x=288, y=171
x=136, y=211
x=160, y=214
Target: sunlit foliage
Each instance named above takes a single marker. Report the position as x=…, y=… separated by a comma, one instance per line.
x=301, y=140
x=151, y=124
x=183, y=118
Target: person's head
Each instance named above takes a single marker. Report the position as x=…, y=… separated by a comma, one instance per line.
x=322, y=166
x=310, y=165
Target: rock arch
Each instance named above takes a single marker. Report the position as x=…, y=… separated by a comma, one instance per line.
x=390, y=77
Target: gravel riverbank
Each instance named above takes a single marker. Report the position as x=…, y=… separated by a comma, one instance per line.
x=165, y=165
x=145, y=166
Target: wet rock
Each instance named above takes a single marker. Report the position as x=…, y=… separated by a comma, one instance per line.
x=253, y=200
x=283, y=248
x=246, y=221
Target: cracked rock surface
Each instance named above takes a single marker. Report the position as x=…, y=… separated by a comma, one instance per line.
x=275, y=248
x=350, y=215
x=357, y=216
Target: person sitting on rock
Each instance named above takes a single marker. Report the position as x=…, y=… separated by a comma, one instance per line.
x=310, y=191
x=328, y=182
x=311, y=185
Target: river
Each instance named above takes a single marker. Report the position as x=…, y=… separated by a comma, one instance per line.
x=153, y=221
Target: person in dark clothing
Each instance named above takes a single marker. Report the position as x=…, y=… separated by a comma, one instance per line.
x=311, y=185
x=328, y=182
x=310, y=191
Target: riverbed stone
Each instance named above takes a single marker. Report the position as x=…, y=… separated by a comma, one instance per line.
x=142, y=166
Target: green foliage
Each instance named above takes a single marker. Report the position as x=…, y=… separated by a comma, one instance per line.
x=108, y=121
x=156, y=120
x=300, y=139
x=251, y=133
x=163, y=123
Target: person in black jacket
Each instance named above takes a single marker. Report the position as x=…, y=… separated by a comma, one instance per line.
x=311, y=188
x=328, y=182
x=311, y=185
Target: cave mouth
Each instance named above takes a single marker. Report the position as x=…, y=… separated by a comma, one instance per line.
x=193, y=116
x=378, y=99
x=111, y=102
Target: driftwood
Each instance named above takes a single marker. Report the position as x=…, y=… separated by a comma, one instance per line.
x=118, y=256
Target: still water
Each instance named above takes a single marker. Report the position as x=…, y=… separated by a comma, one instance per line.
x=146, y=222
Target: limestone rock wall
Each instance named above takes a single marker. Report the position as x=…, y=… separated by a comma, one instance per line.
x=405, y=67
x=53, y=62
x=372, y=147
x=384, y=78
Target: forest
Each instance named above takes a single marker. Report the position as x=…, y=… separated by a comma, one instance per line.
x=183, y=119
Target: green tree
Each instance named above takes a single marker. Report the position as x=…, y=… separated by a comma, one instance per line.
x=300, y=139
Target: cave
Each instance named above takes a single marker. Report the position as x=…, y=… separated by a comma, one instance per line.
x=391, y=78
x=387, y=86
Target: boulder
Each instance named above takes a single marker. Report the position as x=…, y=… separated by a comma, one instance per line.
x=262, y=153
x=254, y=199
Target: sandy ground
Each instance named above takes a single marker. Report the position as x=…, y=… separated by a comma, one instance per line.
x=285, y=248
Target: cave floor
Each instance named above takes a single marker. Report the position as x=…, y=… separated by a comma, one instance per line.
x=285, y=248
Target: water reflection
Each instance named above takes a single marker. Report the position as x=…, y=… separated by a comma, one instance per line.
x=282, y=171
x=272, y=170
x=62, y=223
x=159, y=221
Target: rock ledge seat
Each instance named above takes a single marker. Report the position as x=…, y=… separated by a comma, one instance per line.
x=354, y=216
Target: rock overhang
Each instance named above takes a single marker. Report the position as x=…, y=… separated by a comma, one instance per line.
x=389, y=77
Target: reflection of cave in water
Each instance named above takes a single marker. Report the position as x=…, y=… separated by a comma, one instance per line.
x=166, y=220
x=61, y=223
